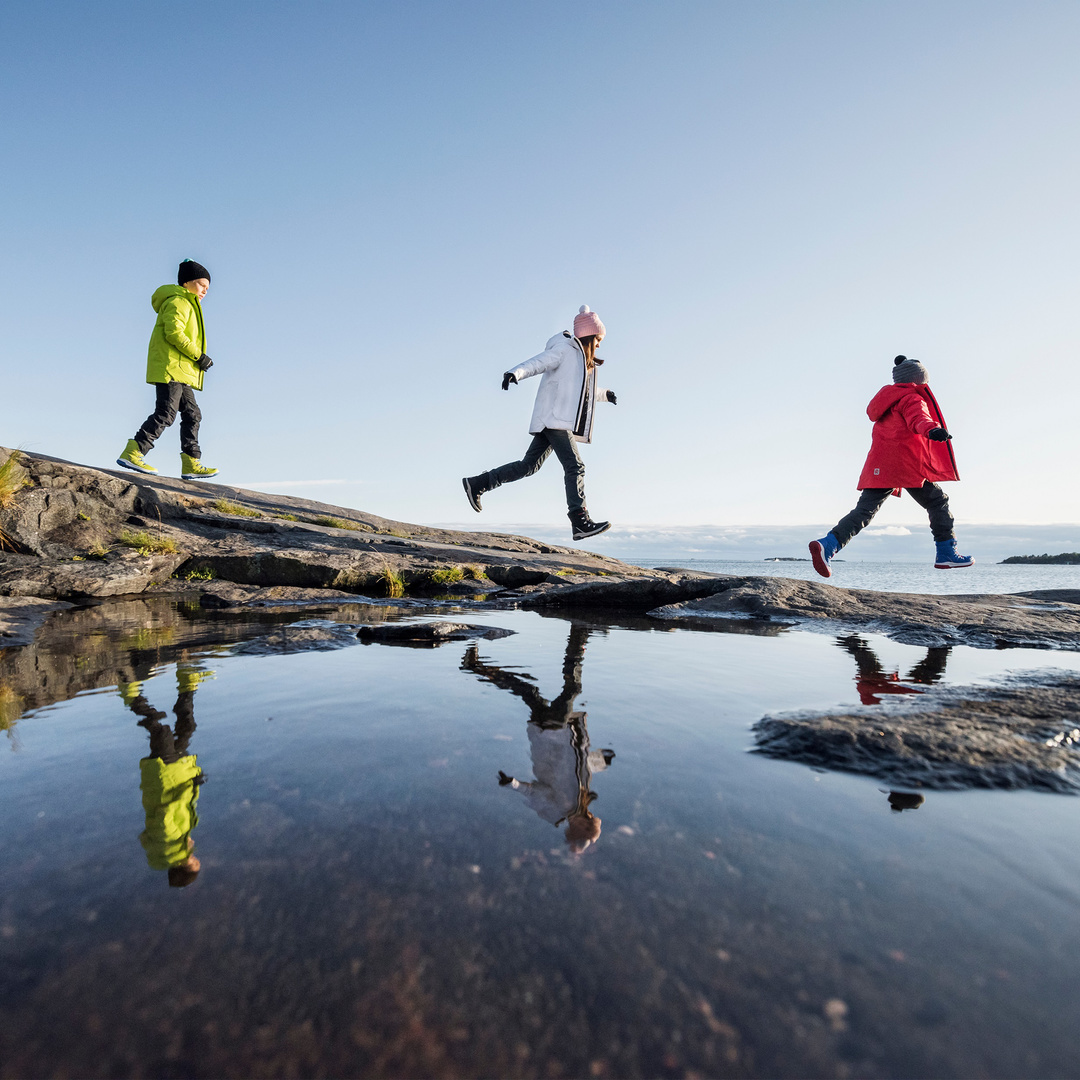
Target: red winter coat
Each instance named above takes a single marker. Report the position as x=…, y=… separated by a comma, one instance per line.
x=901, y=456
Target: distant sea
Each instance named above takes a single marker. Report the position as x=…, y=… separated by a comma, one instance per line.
x=909, y=577
x=894, y=558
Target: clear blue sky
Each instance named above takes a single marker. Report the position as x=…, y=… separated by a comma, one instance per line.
x=397, y=201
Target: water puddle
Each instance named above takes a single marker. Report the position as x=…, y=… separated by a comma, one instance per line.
x=542, y=854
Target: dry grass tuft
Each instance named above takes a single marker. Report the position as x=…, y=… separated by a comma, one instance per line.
x=12, y=479
x=393, y=583
x=145, y=544
x=223, y=506
x=340, y=523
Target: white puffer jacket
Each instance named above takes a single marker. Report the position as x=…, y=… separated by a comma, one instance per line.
x=566, y=397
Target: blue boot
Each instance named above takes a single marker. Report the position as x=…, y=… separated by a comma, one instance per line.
x=822, y=551
x=947, y=559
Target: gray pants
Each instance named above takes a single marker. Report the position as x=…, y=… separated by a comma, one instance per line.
x=930, y=497
x=540, y=448
x=171, y=397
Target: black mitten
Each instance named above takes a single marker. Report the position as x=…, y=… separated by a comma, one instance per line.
x=939, y=434
x=204, y=362
x=508, y=378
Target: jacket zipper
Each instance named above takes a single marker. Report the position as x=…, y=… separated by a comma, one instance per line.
x=941, y=424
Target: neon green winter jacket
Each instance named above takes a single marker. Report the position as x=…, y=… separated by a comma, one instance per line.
x=179, y=338
x=169, y=795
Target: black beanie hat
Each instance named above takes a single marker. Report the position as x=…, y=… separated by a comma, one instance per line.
x=190, y=270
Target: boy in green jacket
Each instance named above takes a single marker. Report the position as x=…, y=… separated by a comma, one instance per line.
x=176, y=363
x=169, y=778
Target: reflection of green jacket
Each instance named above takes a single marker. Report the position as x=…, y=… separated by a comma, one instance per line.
x=179, y=338
x=169, y=795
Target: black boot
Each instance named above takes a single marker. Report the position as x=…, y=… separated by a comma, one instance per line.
x=474, y=488
x=584, y=525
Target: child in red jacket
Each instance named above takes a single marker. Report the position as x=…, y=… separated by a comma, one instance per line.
x=911, y=450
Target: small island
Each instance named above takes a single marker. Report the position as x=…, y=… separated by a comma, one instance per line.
x=1066, y=558
x=785, y=558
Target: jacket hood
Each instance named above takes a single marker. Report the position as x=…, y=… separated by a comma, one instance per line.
x=162, y=294
x=888, y=396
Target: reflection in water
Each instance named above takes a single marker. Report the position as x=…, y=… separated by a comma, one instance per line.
x=872, y=680
x=563, y=765
x=170, y=778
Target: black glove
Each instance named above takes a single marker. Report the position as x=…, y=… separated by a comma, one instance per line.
x=508, y=378
x=204, y=362
x=504, y=779
x=939, y=434
x=611, y=397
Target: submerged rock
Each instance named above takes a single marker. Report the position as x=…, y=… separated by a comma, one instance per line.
x=1020, y=735
x=428, y=634
x=309, y=635
x=320, y=635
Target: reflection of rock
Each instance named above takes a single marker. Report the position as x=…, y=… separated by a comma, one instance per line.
x=125, y=640
x=1021, y=735
x=1048, y=618
x=21, y=616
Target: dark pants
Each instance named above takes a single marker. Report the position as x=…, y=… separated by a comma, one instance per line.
x=930, y=497
x=170, y=397
x=168, y=743
x=562, y=442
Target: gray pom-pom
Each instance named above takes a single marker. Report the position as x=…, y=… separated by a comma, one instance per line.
x=583, y=310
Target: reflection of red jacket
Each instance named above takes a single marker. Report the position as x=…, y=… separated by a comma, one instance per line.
x=901, y=456
x=870, y=687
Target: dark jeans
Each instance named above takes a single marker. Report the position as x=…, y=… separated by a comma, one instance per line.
x=540, y=448
x=170, y=397
x=168, y=743
x=930, y=497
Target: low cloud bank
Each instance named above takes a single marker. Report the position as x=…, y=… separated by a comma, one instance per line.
x=753, y=543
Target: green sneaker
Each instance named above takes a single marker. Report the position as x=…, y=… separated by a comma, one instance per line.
x=191, y=468
x=132, y=459
x=129, y=691
x=188, y=679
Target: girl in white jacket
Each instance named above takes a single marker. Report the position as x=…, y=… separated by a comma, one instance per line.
x=562, y=417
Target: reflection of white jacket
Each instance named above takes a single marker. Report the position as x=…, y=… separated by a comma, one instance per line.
x=566, y=397
x=563, y=771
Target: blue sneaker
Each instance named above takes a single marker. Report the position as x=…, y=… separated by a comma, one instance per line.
x=947, y=559
x=822, y=551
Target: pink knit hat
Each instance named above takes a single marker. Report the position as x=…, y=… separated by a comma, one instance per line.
x=587, y=322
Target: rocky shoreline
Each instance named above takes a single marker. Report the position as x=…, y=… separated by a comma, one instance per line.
x=74, y=535
x=106, y=575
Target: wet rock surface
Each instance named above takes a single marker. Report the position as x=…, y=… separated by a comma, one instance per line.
x=1025, y=734
x=1040, y=619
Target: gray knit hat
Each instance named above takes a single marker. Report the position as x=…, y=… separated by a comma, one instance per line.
x=905, y=370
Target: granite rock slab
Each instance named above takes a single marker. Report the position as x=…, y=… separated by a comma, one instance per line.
x=1038, y=619
x=1023, y=734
